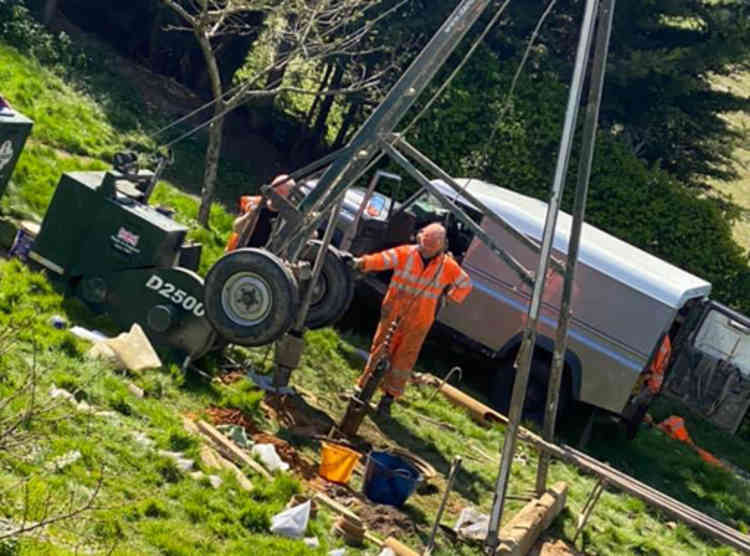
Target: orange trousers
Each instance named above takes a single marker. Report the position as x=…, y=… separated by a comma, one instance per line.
x=403, y=353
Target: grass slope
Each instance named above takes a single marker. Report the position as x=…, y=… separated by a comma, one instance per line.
x=740, y=188
x=146, y=506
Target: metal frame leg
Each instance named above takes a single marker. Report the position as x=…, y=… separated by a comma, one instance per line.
x=588, y=508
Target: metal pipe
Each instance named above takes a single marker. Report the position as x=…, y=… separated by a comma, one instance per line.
x=455, y=466
x=523, y=362
x=292, y=243
x=410, y=150
x=598, y=70
x=523, y=273
x=346, y=242
x=318, y=266
x=363, y=146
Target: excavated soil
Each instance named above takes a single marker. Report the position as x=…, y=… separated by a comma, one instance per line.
x=294, y=414
x=223, y=416
x=384, y=521
x=306, y=468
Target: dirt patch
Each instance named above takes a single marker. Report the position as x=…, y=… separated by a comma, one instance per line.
x=223, y=416
x=232, y=377
x=293, y=413
x=300, y=464
x=384, y=521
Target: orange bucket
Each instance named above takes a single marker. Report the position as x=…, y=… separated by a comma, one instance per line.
x=337, y=462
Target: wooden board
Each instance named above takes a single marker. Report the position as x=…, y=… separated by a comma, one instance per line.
x=522, y=531
x=231, y=450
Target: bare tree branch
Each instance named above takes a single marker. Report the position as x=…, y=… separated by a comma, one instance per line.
x=27, y=527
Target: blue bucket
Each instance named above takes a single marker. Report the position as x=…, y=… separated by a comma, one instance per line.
x=389, y=479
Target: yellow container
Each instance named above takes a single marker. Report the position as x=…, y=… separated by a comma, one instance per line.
x=337, y=462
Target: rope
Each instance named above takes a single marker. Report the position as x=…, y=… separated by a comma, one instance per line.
x=199, y=109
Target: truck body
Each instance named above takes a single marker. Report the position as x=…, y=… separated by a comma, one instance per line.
x=624, y=299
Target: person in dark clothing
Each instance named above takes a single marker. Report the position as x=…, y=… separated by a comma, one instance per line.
x=249, y=204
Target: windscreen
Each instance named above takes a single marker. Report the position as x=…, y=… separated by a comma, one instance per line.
x=725, y=338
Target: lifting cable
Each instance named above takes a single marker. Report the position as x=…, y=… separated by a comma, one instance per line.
x=517, y=75
x=465, y=59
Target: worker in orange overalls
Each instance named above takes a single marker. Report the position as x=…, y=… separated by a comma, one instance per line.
x=424, y=274
x=658, y=367
x=649, y=385
x=282, y=184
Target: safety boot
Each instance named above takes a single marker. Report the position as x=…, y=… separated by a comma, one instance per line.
x=384, y=407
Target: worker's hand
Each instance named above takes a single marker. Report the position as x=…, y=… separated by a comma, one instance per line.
x=351, y=261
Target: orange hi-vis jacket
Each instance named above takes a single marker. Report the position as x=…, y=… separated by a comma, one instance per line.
x=412, y=296
x=248, y=203
x=416, y=286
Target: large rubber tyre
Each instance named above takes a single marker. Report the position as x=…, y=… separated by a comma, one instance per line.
x=334, y=289
x=251, y=297
x=633, y=422
x=536, y=392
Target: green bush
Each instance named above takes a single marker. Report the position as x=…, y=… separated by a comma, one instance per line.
x=19, y=28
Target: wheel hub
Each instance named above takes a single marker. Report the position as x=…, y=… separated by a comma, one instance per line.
x=320, y=289
x=246, y=298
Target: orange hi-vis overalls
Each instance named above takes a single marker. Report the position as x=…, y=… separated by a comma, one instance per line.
x=659, y=366
x=248, y=203
x=412, y=296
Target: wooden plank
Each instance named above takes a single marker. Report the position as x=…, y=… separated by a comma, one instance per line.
x=521, y=532
x=243, y=481
x=231, y=450
x=337, y=507
x=213, y=460
x=399, y=548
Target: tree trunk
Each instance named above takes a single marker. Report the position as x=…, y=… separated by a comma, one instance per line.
x=316, y=101
x=354, y=107
x=50, y=7
x=153, y=41
x=215, y=131
x=326, y=105
x=208, y=191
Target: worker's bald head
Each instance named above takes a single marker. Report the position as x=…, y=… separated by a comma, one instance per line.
x=283, y=185
x=431, y=240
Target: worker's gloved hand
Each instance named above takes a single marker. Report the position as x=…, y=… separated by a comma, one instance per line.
x=351, y=261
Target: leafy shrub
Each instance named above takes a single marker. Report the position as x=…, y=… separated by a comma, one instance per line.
x=19, y=28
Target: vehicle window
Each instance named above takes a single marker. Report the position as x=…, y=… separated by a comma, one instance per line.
x=724, y=338
x=426, y=208
x=377, y=205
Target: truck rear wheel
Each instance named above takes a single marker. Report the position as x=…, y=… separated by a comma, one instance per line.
x=536, y=392
x=334, y=290
x=251, y=297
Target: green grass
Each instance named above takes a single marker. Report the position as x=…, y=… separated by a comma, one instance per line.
x=148, y=507
x=740, y=188
x=620, y=524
